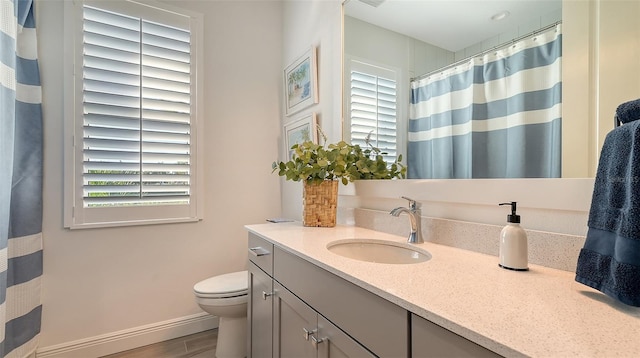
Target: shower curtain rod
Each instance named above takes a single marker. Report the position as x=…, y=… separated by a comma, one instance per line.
x=495, y=48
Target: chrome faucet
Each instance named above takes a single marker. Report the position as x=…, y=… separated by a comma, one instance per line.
x=414, y=212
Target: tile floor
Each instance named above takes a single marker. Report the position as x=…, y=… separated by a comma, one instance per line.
x=198, y=345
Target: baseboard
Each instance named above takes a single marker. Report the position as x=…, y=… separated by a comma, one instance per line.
x=114, y=342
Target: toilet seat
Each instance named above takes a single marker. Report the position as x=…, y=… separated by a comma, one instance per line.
x=223, y=286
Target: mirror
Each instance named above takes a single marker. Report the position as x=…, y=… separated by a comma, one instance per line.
x=582, y=133
x=411, y=39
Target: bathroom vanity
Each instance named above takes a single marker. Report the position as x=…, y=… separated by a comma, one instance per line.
x=316, y=313
x=306, y=301
x=299, y=292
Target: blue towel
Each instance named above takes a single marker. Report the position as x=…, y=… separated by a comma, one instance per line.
x=610, y=258
x=628, y=112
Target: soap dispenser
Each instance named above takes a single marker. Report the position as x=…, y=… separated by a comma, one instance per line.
x=513, y=243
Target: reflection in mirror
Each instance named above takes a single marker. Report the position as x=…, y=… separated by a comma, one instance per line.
x=463, y=95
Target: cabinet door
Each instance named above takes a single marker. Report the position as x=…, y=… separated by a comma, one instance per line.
x=294, y=325
x=430, y=340
x=376, y=323
x=334, y=343
x=260, y=313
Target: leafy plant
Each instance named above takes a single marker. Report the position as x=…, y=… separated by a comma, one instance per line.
x=314, y=163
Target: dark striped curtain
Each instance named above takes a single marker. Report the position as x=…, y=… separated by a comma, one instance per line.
x=20, y=181
x=496, y=116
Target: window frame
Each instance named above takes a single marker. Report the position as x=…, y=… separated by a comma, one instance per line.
x=402, y=106
x=76, y=215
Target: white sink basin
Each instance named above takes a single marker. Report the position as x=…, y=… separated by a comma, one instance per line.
x=380, y=251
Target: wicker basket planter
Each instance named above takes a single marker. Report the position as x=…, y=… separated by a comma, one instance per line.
x=320, y=201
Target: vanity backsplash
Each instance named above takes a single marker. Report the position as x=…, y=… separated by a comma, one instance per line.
x=558, y=251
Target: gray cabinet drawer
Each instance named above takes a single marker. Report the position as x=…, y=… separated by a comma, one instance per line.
x=374, y=322
x=261, y=253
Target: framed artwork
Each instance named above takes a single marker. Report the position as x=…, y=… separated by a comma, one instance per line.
x=300, y=83
x=299, y=131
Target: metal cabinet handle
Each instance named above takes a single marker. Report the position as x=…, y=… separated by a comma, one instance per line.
x=315, y=341
x=308, y=333
x=266, y=294
x=259, y=251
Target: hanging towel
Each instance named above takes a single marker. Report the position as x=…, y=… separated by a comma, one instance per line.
x=610, y=258
x=628, y=112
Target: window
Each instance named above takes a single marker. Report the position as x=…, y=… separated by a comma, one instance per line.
x=134, y=116
x=372, y=108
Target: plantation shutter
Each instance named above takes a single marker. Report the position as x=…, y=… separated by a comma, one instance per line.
x=373, y=112
x=136, y=111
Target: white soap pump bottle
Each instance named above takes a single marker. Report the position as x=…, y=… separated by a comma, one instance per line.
x=513, y=243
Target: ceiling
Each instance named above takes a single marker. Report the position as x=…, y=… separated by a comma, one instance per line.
x=450, y=24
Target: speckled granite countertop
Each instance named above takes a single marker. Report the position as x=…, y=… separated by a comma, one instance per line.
x=540, y=313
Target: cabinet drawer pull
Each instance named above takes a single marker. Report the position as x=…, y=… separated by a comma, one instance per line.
x=315, y=341
x=266, y=294
x=259, y=251
x=308, y=333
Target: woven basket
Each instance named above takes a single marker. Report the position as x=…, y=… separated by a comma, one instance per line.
x=320, y=202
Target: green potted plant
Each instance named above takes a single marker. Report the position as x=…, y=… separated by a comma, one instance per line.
x=320, y=168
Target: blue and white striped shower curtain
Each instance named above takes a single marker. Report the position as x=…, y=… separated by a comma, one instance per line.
x=20, y=180
x=496, y=116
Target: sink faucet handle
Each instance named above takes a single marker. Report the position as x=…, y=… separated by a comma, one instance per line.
x=413, y=205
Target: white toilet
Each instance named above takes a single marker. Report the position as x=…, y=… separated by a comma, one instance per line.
x=226, y=297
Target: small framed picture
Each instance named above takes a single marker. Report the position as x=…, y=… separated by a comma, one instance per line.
x=299, y=131
x=300, y=82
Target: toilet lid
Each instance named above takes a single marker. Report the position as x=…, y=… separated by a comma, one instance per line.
x=226, y=285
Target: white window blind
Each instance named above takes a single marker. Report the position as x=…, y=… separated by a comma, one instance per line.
x=373, y=111
x=133, y=157
x=136, y=104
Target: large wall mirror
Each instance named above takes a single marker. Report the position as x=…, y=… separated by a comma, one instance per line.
x=407, y=51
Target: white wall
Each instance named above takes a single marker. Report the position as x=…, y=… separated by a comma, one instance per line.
x=601, y=42
x=98, y=281
x=617, y=64
x=383, y=47
x=314, y=23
